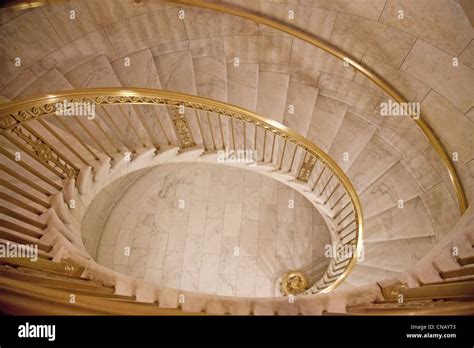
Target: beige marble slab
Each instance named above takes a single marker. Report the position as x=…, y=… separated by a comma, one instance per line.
x=412, y=89
x=51, y=81
x=370, y=9
x=301, y=99
x=201, y=23
x=315, y=21
x=29, y=37
x=262, y=49
x=251, y=204
x=395, y=184
x=76, y=53
x=19, y=84
x=229, y=257
x=232, y=219
x=145, y=31
x=467, y=55
x=326, y=119
x=416, y=164
x=137, y=262
x=189, y=281
x=242, y=82
x=442, y=23
x=205, y=47
x=208, y=276
x=186, y=249
x=413, y=220
x=349, y=92
x=266, y=258
x=449, y=124
x=216, y=207
x=210, y=73
x=213, y=236
x=171, y=275
x=271, y=96
x=377, y=40
x=157, y=251
x=373, y=161
x=268, y=222
x=396, y=256
x=351, y=137
x=307, y=56
x=442, y=208
x=226, y=284
x=192, y=253
x=177, y=236
x=435, y=68
x=246, y=276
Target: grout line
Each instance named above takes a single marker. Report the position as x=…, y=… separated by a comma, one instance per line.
x=52, y=27
x=381, y=12
x=399, y=68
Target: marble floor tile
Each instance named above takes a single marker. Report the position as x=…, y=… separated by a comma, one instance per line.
x=189, y=281
x=197, y=217
x=229, y=257
x=213, y=236
x=234, y=234
x=264, y=287
x=246, y=274
x=192, y=253
x=232, y=219
x=208, y=275
x=226, y=284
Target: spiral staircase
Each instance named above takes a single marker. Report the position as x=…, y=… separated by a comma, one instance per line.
x=182, y=91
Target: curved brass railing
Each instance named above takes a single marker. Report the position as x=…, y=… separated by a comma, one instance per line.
x=24, y=125
x=338, y=53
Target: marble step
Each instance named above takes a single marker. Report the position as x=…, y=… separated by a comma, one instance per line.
x=176, y=73
x=210, y=72
x=271, y=103
x=362, y=275
x=411, y=221
x=396, y=255
x=373, y=161
x=124, y=129
x=349, y=92
x=140, y=71
x=346, y=285
x=384, y=193
x=242, y=89
x=300, y=103
x=51, y=81
x=353, y=134
x=327, y=117
x=12, y=90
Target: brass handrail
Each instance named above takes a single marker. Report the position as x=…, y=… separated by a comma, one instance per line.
x=15, y=115
x=340, y=54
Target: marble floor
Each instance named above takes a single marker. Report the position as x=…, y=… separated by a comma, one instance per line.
x=217, y=229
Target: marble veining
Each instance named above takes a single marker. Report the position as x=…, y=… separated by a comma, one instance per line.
x=227, y=238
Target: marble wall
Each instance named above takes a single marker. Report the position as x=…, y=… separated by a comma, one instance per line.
x=213, y=229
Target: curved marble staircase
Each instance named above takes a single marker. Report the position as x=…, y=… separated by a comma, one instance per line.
x=386, y=160
x=380, y=163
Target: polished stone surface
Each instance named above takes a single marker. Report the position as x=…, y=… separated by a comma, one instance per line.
x=213, y=229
